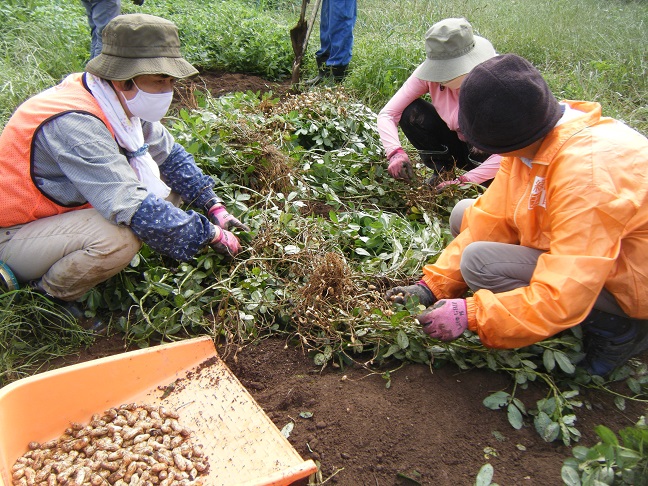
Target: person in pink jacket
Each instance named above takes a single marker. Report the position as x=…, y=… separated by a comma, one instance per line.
x=559, y=238
x=452, y=50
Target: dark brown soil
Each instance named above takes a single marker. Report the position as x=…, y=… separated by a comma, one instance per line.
x=430, y=425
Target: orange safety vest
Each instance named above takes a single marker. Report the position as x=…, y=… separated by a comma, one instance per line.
x=21, y=201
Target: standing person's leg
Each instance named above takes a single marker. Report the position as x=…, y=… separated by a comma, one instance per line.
x=100, y=12
x=341, y=23
x=324, y=51
x=69, y=253
x=88, y=5
x=440, y=148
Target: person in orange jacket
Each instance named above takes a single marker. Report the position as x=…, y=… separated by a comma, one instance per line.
x=560, y=237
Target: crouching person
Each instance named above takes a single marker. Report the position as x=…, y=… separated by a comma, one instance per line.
x=559, y=238
x=88, y=172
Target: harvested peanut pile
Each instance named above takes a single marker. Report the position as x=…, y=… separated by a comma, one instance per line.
x=129, y=445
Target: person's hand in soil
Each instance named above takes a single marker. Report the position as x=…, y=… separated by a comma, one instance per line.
x=400, y=295
x=446, y=320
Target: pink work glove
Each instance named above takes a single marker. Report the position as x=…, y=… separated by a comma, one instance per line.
x=219, y=216
x=400, y=166
x=446, y=320
x=225, y=242
x=457, y=181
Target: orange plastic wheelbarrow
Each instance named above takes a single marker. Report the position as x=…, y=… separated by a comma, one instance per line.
x=243, y=445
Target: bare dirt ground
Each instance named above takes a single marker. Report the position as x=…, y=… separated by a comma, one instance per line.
x=429, y=427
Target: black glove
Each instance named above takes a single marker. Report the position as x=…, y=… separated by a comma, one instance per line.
x=400, y=295
x=138, y=2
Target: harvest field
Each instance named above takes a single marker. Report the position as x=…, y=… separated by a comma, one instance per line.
x=300, y=316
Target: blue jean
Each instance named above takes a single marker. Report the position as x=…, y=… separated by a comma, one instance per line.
x=337, y=20
x=99, y=13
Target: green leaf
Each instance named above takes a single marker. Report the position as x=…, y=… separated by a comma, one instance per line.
x=580, y=453
x=394, y=348
x=485, y=475
x=492, y=363
x=518, y=403
x=634, y=385
x=570, y=476
x=548, y=359
x=563, y=361
x=287, y=429
x=606, y=435
x=402, y=339
x=547, y=428
x=497, y=400
x=603, y=475
x=515, y=417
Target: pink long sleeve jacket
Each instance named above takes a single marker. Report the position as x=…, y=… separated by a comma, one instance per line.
x=584, y=201
x=446, y=103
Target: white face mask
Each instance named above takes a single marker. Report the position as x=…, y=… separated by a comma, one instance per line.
x=150, y=107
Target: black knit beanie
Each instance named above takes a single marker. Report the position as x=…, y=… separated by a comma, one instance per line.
x=505, y=104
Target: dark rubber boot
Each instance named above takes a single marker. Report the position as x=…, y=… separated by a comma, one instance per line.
x=339, y=73
x=323, y=72
x=610, y=341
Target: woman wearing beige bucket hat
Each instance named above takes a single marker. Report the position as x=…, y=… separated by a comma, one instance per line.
x=452, y=51
x=89, y=173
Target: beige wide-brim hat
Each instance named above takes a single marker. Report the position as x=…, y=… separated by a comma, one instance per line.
x=452, y=50
x=137, y=44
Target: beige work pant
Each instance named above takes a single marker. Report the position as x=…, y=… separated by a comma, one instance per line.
x=70, y=253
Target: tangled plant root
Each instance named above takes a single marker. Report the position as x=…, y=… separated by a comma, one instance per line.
x=330, y=280
x=273, y=170
x=325, y=299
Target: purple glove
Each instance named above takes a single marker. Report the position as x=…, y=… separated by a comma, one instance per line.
x=225, y=242
x=446, y=320
x=400, y=166
x=219, y=216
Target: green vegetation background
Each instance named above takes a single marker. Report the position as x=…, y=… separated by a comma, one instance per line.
x=587, y=49
x=330, y=230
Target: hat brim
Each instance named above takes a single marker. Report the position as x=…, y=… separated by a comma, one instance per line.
x=121, y=68
x=440, y=70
